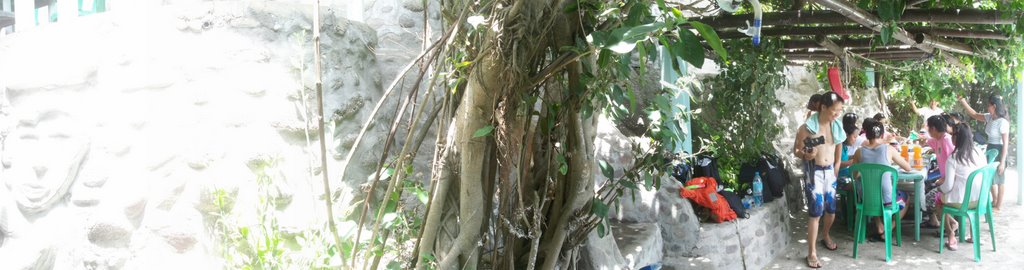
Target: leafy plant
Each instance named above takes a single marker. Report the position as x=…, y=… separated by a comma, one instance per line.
x=739, y=110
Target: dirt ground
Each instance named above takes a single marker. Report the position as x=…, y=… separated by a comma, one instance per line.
x=923, y=254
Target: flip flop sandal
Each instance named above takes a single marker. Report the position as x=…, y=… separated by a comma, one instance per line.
x=813, y=263
x=825, y=244
x=951, y=245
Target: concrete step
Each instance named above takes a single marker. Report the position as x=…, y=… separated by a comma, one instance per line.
x=641, y=244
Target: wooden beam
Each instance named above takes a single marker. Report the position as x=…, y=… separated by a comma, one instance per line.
x=846, y=30
x=835, y=50
x=961, y=16
x=916, y=2
x=942, y=44
x=893, y=53
x=844, y=43
x=870, y=20
x=830, y=57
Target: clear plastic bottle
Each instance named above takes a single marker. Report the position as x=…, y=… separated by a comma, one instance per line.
x=758, y=186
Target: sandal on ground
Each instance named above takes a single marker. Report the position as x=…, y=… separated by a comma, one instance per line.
x=813, y=262
x=832, y=247
x=951, y=244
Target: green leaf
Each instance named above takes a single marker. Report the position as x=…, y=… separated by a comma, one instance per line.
x=600, y=229
x=606, y=169
x=599, y=38
x=886, y=35
x=394, y=265
x=648, y=181
x=689, y=48
x=628, y=184
x=663, y=104
x=711, y=37
x=677, y=13
x=864, y=4
x=421, y=194
x=640, y=32
x=898, y=7
x=484, y=131
x=599, y=208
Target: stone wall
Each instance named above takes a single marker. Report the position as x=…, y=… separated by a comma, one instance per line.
x=660, y=227
x=122, y=127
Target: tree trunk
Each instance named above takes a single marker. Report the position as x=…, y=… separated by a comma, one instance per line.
x=474, y=113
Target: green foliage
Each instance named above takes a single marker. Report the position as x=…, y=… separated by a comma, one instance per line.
x=263, y=244
x=739, y=109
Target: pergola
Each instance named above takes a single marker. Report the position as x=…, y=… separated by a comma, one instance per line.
x=847, y=33
x=839, y=32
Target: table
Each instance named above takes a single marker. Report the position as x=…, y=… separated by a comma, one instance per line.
x=917, y=177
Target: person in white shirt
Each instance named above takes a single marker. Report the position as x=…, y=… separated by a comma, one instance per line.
x=964, y=160
x=925, y=113
x=997, y=131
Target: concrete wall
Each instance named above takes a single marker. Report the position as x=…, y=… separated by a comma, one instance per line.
x=122, y=126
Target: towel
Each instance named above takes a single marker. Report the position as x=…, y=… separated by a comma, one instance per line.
x=837, y=128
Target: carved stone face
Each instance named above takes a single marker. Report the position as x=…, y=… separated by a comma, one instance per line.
x=42, y=156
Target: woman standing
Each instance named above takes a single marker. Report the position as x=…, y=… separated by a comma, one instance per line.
x=997, y=128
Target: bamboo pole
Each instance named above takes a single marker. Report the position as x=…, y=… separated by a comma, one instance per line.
x=328, y=199
x=846, y=30
x=959, y=16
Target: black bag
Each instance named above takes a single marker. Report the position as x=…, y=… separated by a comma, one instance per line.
x=746, y=176
x=774, y=175
x=735, y=203
x=681, y=172
x=706, y=166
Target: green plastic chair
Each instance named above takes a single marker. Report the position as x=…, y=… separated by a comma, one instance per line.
x=850, y=209
x=871, y=204
x=992, y=154
x=974, y=214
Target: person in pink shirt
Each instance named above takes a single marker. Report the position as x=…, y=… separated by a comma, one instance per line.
x=942, y=145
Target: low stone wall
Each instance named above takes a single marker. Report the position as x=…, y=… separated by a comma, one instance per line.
x=743, y=244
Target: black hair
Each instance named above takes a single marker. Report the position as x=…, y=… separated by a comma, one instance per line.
x=879, y=116
x=952, y=118
x=937, y=122
x=850, y=123
x=873, y=129
x=963, y=143
x=997, y=101
x=813, y=102
x=828, y=99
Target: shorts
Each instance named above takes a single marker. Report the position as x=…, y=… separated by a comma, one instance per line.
x=901, y=199
x=933, y=200
x=998, y=179
x=820, y=190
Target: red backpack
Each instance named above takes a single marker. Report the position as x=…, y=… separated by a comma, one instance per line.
x=703, y=191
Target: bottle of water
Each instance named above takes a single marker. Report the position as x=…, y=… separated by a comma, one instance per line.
x=758, y=187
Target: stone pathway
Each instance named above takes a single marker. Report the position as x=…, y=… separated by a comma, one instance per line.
x=915, y=255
